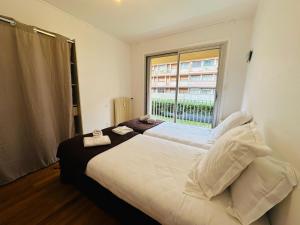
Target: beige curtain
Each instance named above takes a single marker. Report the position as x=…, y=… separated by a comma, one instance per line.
x=35, y=97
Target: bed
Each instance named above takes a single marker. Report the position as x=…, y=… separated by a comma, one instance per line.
x=185, y=134
x=150, y=173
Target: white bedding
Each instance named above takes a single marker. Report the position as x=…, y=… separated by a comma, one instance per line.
x=186, y=134
x=150, y=174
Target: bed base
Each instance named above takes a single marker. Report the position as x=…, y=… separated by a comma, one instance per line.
x=104, y=199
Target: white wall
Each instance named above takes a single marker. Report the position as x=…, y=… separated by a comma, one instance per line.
x=273, y=88
x=103, y=61
x=238, y=35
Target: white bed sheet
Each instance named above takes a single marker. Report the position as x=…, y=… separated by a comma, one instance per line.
x=150, y=174
x=186, y=134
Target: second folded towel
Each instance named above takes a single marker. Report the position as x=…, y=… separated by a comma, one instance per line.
x=144, y=118
x=96, y=141
x=122, y=130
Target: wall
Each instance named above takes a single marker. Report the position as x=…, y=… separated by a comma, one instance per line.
x=103, y=61
x=273, y=88
x=238, y=35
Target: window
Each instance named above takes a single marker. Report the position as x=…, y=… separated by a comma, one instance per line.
x=185, y=77
x=173, y=78
x=173, y=68
x=195, y=78
x=202, y=91
x=196, y=65
x=162, y=69
x=195, y=90
x=184, y=67
x=155, y=69
x=188, y=79
x=208, y=77
x=169, y=70
x=183, y=90
x=170, y=90
x=161, y=79
x=209, y=63
x=207, y=91
x=160, y=90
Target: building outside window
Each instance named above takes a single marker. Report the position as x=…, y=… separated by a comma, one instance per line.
x=193, y=79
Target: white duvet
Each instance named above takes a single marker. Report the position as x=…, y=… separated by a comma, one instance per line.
x=150, y=174
x=186, y=134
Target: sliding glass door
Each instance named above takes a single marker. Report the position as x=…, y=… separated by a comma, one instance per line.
x=162, y=86
x=182, y=87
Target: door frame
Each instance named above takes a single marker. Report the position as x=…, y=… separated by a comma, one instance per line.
x=222, y=46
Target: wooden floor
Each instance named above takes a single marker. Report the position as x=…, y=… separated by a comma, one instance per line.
x=40, y=198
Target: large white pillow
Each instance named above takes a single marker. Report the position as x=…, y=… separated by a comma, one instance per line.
x=225, y=161
x=265, y=183
x=232, y=121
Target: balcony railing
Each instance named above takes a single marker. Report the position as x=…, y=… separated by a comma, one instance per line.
x=193, y=112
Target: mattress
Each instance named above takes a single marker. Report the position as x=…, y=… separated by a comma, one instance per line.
x=186, y=134
x=150, y=174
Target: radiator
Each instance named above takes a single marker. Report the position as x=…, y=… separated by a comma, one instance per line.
x=123, y=109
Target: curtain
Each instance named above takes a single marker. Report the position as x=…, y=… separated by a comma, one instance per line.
x=35, y=97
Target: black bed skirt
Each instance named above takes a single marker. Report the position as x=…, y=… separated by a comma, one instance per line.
x=104, y=199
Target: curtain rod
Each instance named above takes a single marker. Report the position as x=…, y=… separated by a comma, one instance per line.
x=12, y=22
x=49, y=34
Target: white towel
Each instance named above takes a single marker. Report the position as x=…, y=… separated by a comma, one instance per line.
x=97, y=133
x=96, y=141
x=151, y=121
x=144, y=118
x=122, y=130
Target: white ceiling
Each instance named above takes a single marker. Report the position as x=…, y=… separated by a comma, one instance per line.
x=136, y=20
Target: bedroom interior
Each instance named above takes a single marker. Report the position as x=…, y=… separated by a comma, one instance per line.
x=149, y=112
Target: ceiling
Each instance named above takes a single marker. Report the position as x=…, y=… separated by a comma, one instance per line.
x=136, y=20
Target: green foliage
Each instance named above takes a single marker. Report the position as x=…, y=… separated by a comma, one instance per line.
x=166, y=106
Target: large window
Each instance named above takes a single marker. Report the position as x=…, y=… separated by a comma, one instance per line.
x=186, y=96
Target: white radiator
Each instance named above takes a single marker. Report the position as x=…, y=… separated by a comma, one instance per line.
x=123, y=109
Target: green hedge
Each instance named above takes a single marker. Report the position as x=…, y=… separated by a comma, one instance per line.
x=166, y=106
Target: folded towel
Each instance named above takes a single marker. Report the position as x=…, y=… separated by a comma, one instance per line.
x=122, y=130
x=144, y=118
x=97, y=132
x=96, y=141
x=151, y=121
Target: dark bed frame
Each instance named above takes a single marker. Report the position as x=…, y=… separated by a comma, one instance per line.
x=107, y=201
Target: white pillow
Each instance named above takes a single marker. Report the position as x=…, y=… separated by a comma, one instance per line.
x=265, y=183
x=225, y=161
x=234, y=120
